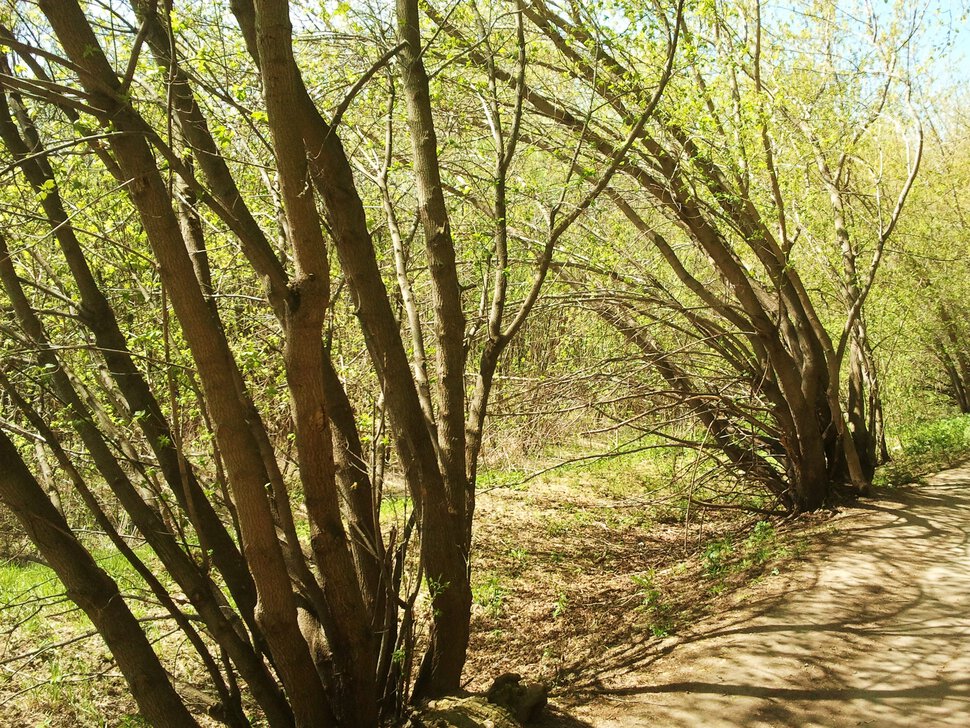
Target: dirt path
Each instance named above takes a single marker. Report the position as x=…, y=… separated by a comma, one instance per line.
x=873, y=631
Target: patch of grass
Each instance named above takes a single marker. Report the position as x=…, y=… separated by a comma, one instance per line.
x=20, y=579
x=628, y=474
x=567, y=520
x=62, y=685
x=118, y=568
x=730, y=562
x=490, y=595
x=67, y=676
x=556, y=526
x=134, y=721
x=924, y=448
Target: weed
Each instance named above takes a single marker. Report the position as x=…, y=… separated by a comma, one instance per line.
x=716, y=555
x=658, y=610
x=761, y=544
x=567, y=520
x=133, y=721
x=561, y=605
x=763, y=532
x=490, y=595
x=519, y=558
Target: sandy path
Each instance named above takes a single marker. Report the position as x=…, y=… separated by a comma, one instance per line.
x=873, y=631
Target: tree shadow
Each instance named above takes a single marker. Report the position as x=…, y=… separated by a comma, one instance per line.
x=556, y=717
x=875, y=622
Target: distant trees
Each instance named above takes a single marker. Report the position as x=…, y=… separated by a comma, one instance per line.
x=929, y=280
x=952, y=347
x=717, y=184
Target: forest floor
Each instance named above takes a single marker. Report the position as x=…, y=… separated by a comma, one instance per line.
x=596, y=584
x=869, y=625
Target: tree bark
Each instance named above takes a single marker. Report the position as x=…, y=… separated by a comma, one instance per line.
x=276, y=611
x=93, y=591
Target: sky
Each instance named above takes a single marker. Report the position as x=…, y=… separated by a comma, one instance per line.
x=942, y=45
x=953, y=25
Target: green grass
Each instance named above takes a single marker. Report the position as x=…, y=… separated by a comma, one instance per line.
x=17, y=580
x=924, y=448
x=490, y=594
x=394, y=507
x=727, y=558
x=67, y=682
x=490, y=478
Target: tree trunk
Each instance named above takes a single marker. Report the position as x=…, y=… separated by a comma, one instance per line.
x=276, y=610
x=93, y=591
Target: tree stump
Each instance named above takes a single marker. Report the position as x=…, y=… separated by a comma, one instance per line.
x=509, y=703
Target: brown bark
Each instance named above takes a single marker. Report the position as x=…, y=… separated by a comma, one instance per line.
x=348, y=629
x=446, y=292
x=231, y=206
x=276, y=607
x=93, y=591
x=442, y=553
x=959, y=355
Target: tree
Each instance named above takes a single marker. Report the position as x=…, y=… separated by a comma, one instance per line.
x=322, y=630
x=710, y=170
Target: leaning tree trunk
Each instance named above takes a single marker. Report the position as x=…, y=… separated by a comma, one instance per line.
x=93, y=591
x=860, y=385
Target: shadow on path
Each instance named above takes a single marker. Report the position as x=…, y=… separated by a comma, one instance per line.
x=874, y=631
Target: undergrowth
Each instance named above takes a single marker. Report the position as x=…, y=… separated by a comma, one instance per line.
x=924, y=448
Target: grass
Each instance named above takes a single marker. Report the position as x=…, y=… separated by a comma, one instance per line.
x=489, y=478
x=20, y=580
x=56, y=684
x=725, y=564
x=489, y=594
x=57, y=671
x=395, y=507
x=924, y=448
x=594, y=554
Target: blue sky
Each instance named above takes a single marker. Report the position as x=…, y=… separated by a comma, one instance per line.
x=952, y=27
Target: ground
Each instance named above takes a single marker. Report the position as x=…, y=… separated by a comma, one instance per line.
x=634, y=615
x=870, y=628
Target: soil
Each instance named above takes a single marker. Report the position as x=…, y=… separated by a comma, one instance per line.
x=635, y=617
x=871, y=628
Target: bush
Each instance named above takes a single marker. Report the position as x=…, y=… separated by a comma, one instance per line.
x=943, y=438
x=927, y=447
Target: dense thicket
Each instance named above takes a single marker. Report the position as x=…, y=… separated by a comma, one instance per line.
x=269, y=267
